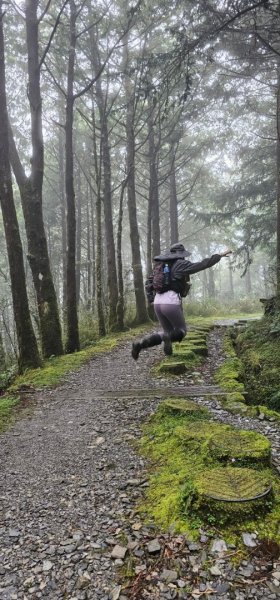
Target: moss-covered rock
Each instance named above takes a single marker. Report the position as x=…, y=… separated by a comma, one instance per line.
x=177, y=444
x=244, y=447
x=227, y=444
x=236, y=408
x=192, y=342
x=183, y=406
x=228, y=375
x=172, y=367
x=200, y=350
x=184, y=353
x=231, y=495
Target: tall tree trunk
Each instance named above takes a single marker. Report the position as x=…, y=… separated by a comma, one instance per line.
x=278, y=185
x=120, y=305
x=78, y=239
x=61, y=183
x=231, y=286
x=72, y=342
x=89, y=266
x=153, y=185
x=211, y=284
x=97, y=250
x=93, y=262
x=141, y=311
x=99, y=299
x=2, y=353
x=248, y=282
x=28, y=355
x=173, y=203
x=31, y=197
x=107, y=189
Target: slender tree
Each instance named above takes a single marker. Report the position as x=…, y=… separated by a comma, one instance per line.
x=141, y=311
x=28, y=355
x=31, y=195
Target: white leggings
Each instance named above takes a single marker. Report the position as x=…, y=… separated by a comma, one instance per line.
x=172, y=320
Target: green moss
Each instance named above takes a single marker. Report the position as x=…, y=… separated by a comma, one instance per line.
x=228, y=374
x=183, y=353
x=260, y=355
x=183, y=406
x=200, y=350
x=172, y=367
x=180, y=362
x=177, y=463
x=230, y=495
x=7, y=405
x=267, y=412
x=228, y=344
x=234, y=403
x=244, y=447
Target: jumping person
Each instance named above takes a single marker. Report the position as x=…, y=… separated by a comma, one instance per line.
x=168, y=303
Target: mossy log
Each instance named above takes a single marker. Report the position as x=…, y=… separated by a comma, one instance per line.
x=227, y=444
x=200, y=350
x=184, y=353
x=190, y=340
x=243, y=447
x=236, y=408
x=174, y=367
x=230, y=495
x=183, y=406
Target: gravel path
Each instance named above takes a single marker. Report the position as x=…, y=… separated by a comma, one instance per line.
x=69, y=485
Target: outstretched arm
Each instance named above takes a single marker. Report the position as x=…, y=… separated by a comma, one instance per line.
x=191, y=268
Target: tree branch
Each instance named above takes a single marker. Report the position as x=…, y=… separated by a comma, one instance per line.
x=52, y=33
x=92, y=82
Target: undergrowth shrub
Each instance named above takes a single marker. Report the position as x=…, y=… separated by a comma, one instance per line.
x=211, y=307
x=259, y=351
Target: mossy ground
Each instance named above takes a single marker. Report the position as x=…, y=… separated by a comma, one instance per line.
x=178, y=458
x=7, y=405
x=189, y=353
x=251, y=379
x=259, y=350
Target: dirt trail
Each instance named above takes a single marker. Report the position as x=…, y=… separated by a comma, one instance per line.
x=65, y=472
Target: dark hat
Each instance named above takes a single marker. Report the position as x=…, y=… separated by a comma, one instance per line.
x=176, y=251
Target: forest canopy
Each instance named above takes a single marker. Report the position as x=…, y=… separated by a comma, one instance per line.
x=125, y=127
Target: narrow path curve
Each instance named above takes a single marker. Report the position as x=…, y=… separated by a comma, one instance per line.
x=65, y=472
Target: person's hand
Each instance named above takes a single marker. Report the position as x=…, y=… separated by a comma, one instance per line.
x=226, y=253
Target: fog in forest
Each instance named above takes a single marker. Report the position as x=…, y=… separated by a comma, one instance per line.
x=126, y=127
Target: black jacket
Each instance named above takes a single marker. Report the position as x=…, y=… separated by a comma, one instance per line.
x=182, y=269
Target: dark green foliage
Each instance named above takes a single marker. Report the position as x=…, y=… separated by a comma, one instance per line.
x=274, y=401
x=259, y=351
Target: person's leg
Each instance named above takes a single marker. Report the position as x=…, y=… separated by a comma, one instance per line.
x=167, y=328
x=175, y=331
x=156, y=338
x=147, y=342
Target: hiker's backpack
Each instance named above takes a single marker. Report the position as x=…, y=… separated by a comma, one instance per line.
x=159, y=281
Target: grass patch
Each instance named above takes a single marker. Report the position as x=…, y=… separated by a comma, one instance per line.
x=177, y=444
x=259, y=351
x=7, y=405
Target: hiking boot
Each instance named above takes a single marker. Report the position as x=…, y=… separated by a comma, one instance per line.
x=136, y=347
x=167, y=345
